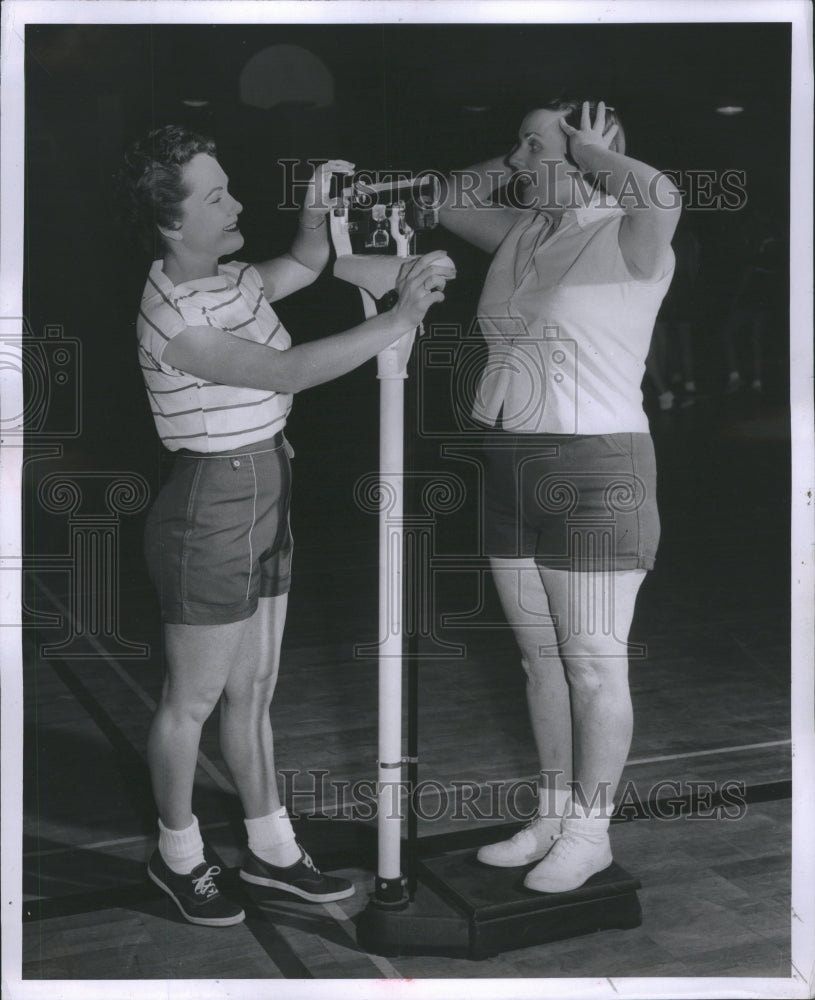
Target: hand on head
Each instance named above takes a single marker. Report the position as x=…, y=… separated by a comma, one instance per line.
x=589, y=134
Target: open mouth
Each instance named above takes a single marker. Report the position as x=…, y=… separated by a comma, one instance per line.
x=231, y=229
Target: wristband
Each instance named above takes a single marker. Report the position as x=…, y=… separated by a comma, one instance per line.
x=388, y=301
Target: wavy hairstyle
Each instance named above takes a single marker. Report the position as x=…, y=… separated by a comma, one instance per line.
x=151, y=180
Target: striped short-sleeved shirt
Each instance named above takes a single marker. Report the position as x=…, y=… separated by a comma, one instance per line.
x=190, y=412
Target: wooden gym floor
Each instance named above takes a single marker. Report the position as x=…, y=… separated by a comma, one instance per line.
x=711, y=699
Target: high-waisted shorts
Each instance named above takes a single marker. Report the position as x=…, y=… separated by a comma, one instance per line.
x=217, y=537
x=579, y=502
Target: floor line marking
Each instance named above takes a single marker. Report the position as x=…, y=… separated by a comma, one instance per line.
x=704, y=753
x=204, y=762
x=119, y=842
x=342, y=918
x=210, y=768
x=451, y=789
x=747, y=651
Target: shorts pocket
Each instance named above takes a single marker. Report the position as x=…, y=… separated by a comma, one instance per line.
x=617, y=444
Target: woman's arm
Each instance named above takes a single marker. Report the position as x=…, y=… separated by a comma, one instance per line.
x=309, y=251
x=467, y=209
x=217, y=356
x=652, y=203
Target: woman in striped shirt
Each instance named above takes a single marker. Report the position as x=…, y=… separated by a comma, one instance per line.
x=221, y=372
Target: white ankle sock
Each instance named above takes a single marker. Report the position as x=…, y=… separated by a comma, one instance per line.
x=592, y=824
x=553, y=803
x=182, y=850
x=271, y=838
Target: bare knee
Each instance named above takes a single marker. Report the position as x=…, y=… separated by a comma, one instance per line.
x=583, y=680
x=590, y=676
x=539, y=664
x=252, y=694
x=189, y=707
x=540, y=654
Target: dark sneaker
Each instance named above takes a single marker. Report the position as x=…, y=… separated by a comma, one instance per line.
x=302, y=879
x=196, y=894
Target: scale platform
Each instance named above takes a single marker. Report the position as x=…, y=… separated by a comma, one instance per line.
x=462, y=908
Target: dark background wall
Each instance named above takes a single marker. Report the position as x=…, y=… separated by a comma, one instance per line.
x=405, y=97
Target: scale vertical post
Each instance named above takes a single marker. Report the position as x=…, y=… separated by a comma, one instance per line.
x=389, y=882
x=375, y=275
x=391, y=372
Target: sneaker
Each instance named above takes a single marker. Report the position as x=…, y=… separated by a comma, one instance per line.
x=302, y=879
x=572, y=860
x=530, y=844
x=196, y=894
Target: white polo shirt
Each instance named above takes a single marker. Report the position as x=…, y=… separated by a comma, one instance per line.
x=567, y=325
x=190, y=412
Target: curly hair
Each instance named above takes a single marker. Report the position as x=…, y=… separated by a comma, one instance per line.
x=151, y=180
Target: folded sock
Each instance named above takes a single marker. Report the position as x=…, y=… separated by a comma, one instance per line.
x=182, y=850
x=589, y=823
x=271, y=838
x=553, y=802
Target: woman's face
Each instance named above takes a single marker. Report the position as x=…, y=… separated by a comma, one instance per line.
x=541, y=151
x=209, y=214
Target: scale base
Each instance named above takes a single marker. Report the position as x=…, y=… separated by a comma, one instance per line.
x=465, y=909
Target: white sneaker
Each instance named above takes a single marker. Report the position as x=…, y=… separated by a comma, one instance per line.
x=572, y=860
x=530, y=844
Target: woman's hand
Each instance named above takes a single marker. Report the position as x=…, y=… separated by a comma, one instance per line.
x=317, y=201
x=589, y=135
x=421, y=282
x=650, y=201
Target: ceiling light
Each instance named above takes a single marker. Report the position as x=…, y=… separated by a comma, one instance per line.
x=729, y=109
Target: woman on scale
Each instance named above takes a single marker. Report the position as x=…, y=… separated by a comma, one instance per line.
x=581, y=264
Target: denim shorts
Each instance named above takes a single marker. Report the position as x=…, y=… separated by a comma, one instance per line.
x=580, y=502
x=218, y=537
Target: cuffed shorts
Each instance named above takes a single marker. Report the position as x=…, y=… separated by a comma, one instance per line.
x=217, y=537
x=579, y=502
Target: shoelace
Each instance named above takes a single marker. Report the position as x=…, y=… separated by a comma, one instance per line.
x=309, y=863
x=204, y=886
x=529, y=828
x=563, y=845
x=568, y=844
